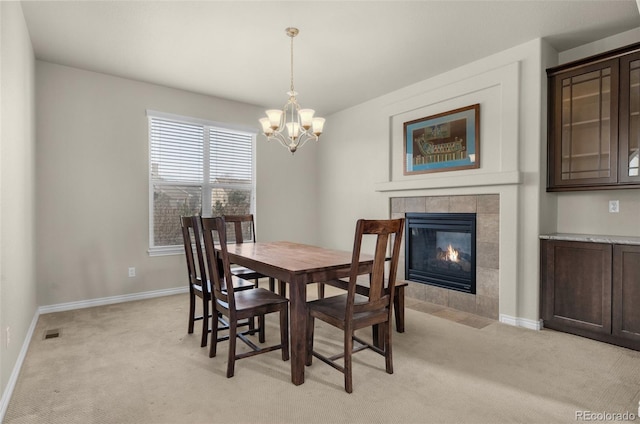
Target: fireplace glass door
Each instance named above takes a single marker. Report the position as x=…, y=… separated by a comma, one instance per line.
x=441, y=250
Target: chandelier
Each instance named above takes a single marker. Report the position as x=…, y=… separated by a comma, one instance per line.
x=291, y=126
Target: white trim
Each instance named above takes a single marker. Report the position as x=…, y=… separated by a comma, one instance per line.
x=110, y=300
x=479, y=180
x=13, y=379
x=521, y=322
x=165, y=250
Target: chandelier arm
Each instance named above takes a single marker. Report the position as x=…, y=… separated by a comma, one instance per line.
x=279, y=138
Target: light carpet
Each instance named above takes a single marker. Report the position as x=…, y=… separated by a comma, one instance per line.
x=135, y=363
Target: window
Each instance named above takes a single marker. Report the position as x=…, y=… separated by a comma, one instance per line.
x=195, y=168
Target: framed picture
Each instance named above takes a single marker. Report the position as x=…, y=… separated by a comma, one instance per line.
x=447, y=141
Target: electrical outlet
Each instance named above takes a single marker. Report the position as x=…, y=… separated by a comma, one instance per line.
x=132, y=271
x=614, y=206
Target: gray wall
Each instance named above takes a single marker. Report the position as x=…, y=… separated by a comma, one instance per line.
x=93, y=192
x=17, y=192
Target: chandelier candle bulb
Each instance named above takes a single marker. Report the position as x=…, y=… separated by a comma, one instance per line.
x=300, y=124
x=306, y=117
x=293, y=128
x=318, y=125
x=275, y=117
x=266, y=126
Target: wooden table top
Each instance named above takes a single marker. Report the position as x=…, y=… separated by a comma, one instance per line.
x=293, y=257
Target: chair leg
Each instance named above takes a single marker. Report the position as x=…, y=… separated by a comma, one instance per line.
x=261, y=329
x=388, y=354
x=348, y=351
x=272, y=284
x=377, y=335
x=284, y=332
x=282, y=288
x=398, y=309
x=192, y=312
x=214, y=335
x=309, y=340
x=231, y=362
x=320, y=290
x=205, y=323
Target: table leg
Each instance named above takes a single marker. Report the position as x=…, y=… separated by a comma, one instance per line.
x=297, y=327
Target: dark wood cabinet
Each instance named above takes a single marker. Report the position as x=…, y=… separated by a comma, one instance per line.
x=626, y=292
x=592, y=290
x=630, y=119
x=593, y=123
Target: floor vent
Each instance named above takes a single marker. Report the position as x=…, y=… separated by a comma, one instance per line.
x=52, y=334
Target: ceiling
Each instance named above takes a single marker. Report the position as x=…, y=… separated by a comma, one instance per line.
x=347, y=52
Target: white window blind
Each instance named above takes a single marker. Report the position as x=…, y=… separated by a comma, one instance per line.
x=196, y=168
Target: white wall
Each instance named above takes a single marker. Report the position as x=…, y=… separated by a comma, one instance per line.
x=588, y=212
x=17, y=192
x=361, y=165
x=92, y=183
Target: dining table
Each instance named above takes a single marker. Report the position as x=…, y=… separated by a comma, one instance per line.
x=297, y=265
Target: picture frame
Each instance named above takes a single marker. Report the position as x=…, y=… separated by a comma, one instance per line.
x=448, y=141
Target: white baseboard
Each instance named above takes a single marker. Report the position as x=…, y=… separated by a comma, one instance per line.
x=60, y=307
x=521, y=322
x=8, y=391
x=13, y=379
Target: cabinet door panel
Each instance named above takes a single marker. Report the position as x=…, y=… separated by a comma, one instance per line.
x=585, y=126
x=630, y=118
x=626, y=291
x=577, y=285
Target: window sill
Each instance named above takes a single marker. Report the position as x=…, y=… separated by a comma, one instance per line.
x=166, y=250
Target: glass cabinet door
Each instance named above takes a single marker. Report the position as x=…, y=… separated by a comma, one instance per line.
x=586, y=126
x=630, y=118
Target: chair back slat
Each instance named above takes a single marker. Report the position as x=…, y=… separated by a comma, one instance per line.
x=191, y=237
x=218, y=262
x=237, y=222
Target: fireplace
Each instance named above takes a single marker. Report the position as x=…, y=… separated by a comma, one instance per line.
x=440, y=250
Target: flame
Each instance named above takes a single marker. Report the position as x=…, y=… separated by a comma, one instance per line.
x=452, y=254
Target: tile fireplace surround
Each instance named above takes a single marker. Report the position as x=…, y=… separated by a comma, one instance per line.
x=487, y=210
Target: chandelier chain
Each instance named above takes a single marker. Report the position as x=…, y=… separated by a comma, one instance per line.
x=292, y=63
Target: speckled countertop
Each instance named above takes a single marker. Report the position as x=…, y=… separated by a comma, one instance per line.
x=593, y=238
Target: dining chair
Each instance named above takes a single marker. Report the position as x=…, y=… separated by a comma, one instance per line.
x=362, y=287
x=197, y=274
x=238, y=305
x=244, y=224
x=352, y=311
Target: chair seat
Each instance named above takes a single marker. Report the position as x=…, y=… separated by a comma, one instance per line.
x=362, y=284
x=238, y=284
x=334, y=308
x=257, y=301
x=362, y=287
x=246, y=273
x=241, y=284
